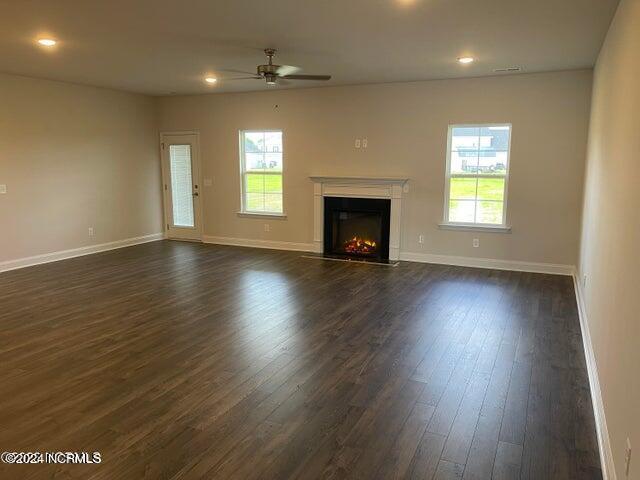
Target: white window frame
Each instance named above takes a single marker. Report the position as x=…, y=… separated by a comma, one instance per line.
x=503, y=226
x=243, y=172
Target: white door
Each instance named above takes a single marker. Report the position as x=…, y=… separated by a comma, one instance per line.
x=181, y=175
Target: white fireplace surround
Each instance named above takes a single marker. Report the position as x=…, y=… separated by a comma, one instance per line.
x=359, y=187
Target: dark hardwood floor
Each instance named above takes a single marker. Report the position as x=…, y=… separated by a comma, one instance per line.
x=178, y=360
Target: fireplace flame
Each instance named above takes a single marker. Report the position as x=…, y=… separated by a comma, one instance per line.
x=360, y=246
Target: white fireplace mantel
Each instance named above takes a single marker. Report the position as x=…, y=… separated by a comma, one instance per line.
x=359, y=187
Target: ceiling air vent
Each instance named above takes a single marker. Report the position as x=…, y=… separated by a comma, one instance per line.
x=507, y=69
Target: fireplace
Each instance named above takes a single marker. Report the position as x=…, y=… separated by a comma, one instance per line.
x=388, y=189
x=357, y=227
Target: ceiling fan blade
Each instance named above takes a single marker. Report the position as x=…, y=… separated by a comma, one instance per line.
x=255, y=77
x=284, y=70
x=307, y=77
x=244, y=72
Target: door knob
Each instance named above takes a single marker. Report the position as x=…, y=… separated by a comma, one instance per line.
x=195, y=194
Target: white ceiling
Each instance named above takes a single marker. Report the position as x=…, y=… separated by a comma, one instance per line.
x=163, y=46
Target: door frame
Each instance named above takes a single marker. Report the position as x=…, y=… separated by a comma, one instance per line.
x=196, y=175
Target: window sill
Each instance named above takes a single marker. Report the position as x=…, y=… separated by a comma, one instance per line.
x=475, y=228
x=280, y=216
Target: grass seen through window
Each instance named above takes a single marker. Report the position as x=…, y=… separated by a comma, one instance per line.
x=264, y=192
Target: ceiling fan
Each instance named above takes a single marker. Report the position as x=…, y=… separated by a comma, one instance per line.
x=271, y=72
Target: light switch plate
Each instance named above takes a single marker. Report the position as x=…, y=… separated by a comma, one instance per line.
x=3, y=189
x=208, y=182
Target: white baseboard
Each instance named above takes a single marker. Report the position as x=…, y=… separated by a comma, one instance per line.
x=270, y=244
x=604, y=442
x=76, y=252
x=405, y=256
x=557, y=269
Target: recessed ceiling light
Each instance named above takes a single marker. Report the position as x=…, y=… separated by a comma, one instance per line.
x=466, y=59
x=211, y=79
x=47, y=42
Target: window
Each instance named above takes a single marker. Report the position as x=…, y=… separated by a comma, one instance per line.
x=261, y=171
x=477, y=174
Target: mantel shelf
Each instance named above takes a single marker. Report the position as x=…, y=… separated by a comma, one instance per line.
x=356, y=179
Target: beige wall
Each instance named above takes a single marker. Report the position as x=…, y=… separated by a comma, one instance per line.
x=406, y=126
x=610, y=248
x=75, y=157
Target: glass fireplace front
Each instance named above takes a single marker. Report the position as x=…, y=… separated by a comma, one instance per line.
x=357, y=227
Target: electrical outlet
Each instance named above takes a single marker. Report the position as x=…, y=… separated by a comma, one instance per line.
x=420, y=238
x=3, y=189
x=476, y=242
x=357, y=143
x=267, y=227
x=91, y=231
x=627, y=458
x=364, y=143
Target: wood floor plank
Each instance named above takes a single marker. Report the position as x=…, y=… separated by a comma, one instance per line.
x=185, y=361
x=427, y=456
x=462, y=431
x=508, y=461
x=449, y=471
x=398, y=460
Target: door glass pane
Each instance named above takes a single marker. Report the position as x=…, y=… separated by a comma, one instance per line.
x=181, y=185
